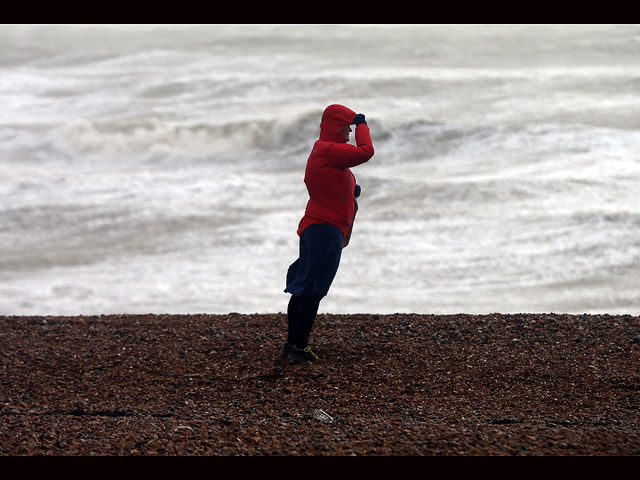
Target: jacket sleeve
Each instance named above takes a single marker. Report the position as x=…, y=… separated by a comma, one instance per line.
x=344, y=155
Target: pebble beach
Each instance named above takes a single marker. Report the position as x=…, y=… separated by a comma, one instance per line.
x=397, y=384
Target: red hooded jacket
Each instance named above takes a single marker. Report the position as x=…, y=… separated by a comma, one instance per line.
x=329, y=181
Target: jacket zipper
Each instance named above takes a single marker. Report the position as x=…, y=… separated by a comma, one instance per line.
x=344, y=199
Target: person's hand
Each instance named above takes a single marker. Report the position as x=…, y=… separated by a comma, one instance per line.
x=358, y=119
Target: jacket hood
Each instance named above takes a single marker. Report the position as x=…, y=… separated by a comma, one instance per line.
x=334, y=118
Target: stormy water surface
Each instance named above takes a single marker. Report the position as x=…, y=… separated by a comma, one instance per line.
x=159, y=168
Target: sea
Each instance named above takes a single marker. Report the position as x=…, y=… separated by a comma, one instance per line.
x=160, y=168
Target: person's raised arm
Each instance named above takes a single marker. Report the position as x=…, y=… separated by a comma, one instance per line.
x=344, y=155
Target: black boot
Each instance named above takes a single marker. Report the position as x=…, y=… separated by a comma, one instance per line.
x=302, y=355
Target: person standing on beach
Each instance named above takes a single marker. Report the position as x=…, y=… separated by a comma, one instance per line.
x=325, y=229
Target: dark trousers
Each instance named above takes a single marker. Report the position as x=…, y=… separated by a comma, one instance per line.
x=301, y=314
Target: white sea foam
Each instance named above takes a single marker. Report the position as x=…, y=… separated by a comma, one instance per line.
x=159, y=168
